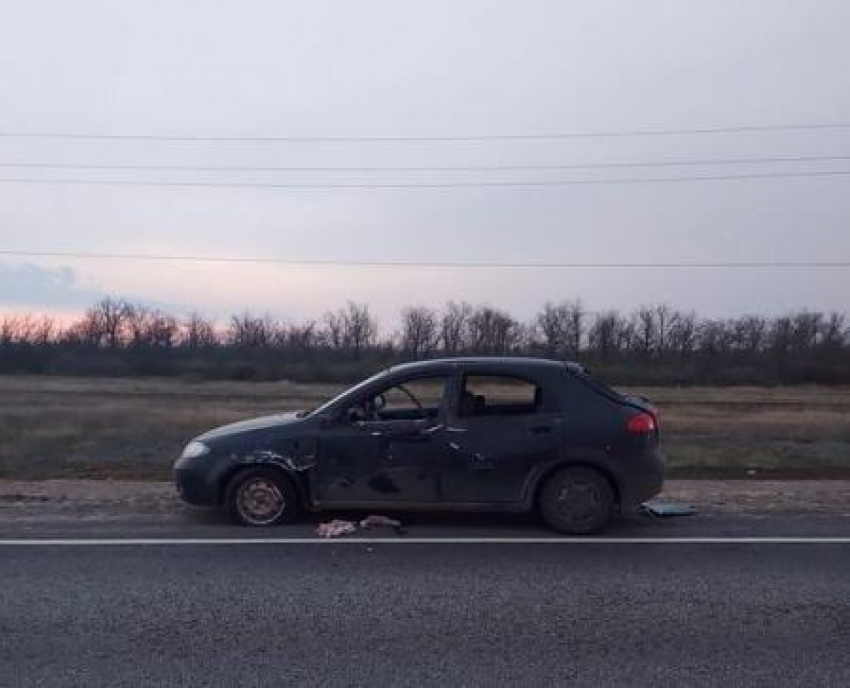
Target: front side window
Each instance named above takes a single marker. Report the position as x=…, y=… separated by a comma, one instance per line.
x=414, y=399
x=498, y=395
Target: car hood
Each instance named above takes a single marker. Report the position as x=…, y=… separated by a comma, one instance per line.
x=254, y=424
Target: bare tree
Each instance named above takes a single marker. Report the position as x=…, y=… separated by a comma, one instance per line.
x=780, y=335
x=163, y=331
x=800, y=346
x=199, y=332
x=750, y=333
x=453, y=326
x=554, y=323
x=16, y=329
x=333, y=333
x=492, y=331
x=361, y=329
x=715, y=338
x=644, y=330
x=110, y=316
x=351, y=329
x=137, y=323
x=249, y=331
x=419, y=331
x=834, y=331
x=104, y=324
x=664, y=318
x=805, y=331
x=681, y=335
x=609, y=334
x=302, y=337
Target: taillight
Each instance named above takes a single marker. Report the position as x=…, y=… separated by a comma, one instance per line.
x=641, y=422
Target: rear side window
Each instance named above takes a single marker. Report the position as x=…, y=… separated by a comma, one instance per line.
x=498, y=395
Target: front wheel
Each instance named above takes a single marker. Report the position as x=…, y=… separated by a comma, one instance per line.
x=261, y=497
x=577, y=500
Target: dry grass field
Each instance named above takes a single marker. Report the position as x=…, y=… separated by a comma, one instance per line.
x=134, y=428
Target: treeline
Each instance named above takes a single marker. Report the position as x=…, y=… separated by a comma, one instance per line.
x=652, y=345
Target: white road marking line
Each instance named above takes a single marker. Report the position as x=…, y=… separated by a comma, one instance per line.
x=119, y=542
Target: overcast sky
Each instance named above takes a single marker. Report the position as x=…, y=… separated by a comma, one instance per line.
x=429, y=69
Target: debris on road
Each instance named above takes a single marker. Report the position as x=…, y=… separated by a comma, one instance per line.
x=378, y=521
x=666, y=510
x=335, y=528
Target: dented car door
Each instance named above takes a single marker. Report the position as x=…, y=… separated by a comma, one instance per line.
x=391, y=456
x=500, y=429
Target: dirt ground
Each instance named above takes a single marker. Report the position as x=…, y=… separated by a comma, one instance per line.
x=104, y=499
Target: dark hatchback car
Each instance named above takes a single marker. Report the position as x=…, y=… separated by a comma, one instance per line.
x=488, y=434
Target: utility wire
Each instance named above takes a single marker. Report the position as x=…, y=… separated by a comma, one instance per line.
x=426, y=168
x=430, y=185
x=813, y=264
x=734, y=129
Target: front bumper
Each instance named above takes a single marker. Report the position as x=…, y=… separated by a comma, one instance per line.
x=196, y=481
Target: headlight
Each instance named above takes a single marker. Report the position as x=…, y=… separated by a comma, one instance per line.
x=194, y=450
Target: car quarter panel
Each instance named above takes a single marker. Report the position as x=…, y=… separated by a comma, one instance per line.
x=594, y=434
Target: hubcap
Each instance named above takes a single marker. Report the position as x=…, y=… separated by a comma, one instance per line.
x=578, y=501
x=260, y=501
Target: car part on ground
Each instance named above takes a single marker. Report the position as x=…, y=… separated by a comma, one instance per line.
x=667, y=510
x=335, y=528
x=338, y=527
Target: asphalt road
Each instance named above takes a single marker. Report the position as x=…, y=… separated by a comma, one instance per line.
x=372, y=614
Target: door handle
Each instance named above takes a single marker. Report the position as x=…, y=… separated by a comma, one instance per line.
x=540, y=429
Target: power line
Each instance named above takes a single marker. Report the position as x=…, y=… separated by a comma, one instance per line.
x=78, y=255
x=430, y=185
x=734, y=129
x=446, y=168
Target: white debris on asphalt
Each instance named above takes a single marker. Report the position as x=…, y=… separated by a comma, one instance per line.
x=335, y=528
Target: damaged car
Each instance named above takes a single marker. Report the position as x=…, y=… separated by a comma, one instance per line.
x=466, y=434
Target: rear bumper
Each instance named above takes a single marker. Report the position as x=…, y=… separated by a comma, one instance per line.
x=642, y=478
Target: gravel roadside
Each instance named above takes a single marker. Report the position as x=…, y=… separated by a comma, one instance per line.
x=105, y=499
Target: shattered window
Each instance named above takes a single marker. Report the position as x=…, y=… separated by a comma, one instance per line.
x=415, y=399
x=408, y=396
x=498, y=395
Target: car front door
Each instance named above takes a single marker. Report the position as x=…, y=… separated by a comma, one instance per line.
x=385, y=447
x=500, y=427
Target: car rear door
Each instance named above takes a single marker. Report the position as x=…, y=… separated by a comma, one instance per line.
x=500, y=427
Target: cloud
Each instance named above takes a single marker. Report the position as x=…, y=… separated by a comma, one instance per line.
x=39, y=287
x=58, y=289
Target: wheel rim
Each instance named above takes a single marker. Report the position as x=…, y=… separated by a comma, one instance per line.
x=260, y=501
x=579, y=501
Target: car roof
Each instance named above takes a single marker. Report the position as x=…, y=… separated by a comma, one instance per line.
x=498, y=363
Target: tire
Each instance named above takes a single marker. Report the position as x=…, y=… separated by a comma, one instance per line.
x=577, y=500
x=261, y=497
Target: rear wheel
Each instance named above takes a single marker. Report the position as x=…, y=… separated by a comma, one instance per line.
x=577, y=500
x=261, y=497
